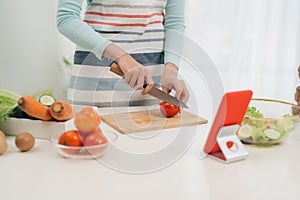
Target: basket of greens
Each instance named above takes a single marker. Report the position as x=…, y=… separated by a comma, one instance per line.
x=267, y=121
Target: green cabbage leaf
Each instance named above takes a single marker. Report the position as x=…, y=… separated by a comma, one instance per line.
x=8, y=101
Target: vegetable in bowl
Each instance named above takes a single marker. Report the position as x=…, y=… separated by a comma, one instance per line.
x=258, y=129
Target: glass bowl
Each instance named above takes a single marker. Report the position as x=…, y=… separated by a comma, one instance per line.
x=267, y=121
x=88, y=152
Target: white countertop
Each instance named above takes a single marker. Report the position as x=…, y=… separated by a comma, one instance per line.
x=268, y=173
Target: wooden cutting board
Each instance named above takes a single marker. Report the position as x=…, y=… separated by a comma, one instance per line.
x=149, y=120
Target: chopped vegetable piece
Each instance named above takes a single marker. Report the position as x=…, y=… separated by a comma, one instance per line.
x=245, y=131
x=272, y=134
x=254, y=112
x=47, y=100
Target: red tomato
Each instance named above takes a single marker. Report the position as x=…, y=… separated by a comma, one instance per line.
x=169, y=110
x=93, y=139
x=70, y=138
x=86, y=121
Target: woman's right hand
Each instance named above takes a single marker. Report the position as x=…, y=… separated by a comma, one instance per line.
x=135, y=74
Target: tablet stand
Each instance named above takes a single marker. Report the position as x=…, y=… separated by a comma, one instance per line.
x=227, y=137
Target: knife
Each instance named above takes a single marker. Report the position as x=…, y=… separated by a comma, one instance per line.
x=155, y=92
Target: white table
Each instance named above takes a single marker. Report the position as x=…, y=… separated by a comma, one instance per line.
x=268, y=173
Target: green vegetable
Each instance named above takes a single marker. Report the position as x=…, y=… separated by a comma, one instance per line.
x=8, y=101
x=47, y=99
x=258, y=136
x=254, y=112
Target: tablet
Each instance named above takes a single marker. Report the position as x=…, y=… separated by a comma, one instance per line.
x=231, y=111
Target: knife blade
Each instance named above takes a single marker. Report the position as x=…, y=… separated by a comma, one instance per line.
x=155, y=92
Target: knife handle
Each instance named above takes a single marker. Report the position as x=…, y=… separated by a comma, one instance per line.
x=115, y=68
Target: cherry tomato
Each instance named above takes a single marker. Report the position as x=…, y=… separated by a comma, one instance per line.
x=86, y=121
x=169, y=110
x=70, y=138
x=93, y=139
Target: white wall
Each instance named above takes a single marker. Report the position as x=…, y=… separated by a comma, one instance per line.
x=254, y=44
x=31, y=47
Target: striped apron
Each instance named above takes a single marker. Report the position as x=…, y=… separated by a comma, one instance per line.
x=137, y=27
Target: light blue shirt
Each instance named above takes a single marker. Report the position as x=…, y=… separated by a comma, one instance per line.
x=71, y=25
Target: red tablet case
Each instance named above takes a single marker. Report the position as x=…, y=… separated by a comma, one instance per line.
x=231, y=111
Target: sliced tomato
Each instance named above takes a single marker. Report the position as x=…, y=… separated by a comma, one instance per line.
x=168, y=109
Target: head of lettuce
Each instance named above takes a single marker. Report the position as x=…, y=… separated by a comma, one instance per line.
x=8, y=101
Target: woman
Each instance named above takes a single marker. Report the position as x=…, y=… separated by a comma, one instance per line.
x=133, y=33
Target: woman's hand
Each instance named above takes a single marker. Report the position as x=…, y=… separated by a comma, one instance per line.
x=169, y=81
x=135, y=74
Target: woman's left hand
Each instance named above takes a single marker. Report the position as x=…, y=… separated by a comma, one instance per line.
x=169, y=82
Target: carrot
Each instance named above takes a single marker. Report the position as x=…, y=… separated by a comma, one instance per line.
x=34, y=108
x=61, y=110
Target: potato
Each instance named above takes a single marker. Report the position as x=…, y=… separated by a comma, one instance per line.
x=24, y=141
x=3, y=143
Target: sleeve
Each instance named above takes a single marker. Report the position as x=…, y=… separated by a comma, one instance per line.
x=70, y=24
x=174, y=24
